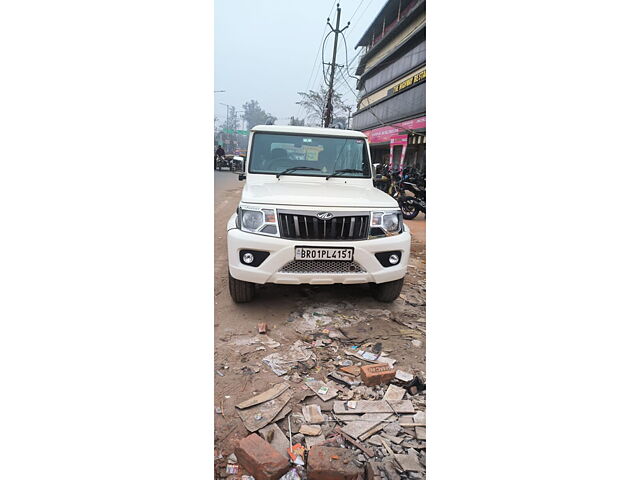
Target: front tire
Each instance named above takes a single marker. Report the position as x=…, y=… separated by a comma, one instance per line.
x=409, y=208
x=388, y=291
x=241, y=291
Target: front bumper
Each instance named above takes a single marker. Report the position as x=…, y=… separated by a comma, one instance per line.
x=282, y=253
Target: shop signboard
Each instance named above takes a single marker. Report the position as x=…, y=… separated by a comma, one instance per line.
x=386, y=133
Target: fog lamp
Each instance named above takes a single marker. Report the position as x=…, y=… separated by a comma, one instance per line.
x=247, y=258
x=393, y=259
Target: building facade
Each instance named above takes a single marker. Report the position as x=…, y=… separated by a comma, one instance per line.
x=391, y=87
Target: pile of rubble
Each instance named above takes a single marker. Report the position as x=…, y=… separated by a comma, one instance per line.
x=343, y=410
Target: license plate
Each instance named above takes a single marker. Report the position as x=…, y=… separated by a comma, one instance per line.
x=319, y=253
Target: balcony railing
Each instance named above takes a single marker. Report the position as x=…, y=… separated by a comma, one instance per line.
x=388, y=27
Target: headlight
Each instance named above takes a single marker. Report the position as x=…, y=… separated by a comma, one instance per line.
x=252, y=220
x=389, y=222
x=258, y=220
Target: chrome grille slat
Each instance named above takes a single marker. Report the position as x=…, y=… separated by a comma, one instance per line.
x=349, y=226
x=295, y=222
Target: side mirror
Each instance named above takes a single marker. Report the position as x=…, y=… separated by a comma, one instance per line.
x=242, y=176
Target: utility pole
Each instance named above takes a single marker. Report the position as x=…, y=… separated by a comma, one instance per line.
x=227, y=124
x=328, y=112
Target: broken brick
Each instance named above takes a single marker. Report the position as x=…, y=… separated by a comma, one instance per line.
x=260, y=459
x=351, y=370
x=377, y=374
x=329, y=463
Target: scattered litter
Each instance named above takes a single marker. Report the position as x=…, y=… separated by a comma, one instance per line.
x=220, y=373
x=232, y=468
x=416, y=343
x=291, y=475
x=403, y=376
x=323, y=390
x=352, y=404
x=281, y=363
x=296, y=453
x=243, y=340
x=262, y=327
x=232, y=458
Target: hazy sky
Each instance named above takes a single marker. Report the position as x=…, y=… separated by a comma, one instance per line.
x=265, y=50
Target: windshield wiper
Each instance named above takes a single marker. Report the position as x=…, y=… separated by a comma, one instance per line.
x=291, y=169
x=344, y=170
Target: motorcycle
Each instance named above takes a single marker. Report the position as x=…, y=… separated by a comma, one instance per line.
x=388, y=181
x=412, y=205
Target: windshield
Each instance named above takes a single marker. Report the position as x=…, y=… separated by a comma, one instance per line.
x=318, y=156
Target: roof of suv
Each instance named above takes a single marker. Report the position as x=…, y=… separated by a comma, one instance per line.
x=334, y=132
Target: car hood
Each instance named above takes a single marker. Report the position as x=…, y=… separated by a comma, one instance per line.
x=316, y=194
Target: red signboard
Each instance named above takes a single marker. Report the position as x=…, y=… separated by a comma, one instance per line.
x=386, y=134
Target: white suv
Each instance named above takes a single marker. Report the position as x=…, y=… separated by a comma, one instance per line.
x=309, y=214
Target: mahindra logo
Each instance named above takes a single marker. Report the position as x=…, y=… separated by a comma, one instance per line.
x=325, y=215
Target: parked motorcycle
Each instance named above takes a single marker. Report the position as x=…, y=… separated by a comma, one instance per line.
x=412, y=205
x=388, y=181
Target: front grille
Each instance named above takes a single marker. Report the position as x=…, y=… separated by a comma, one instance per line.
x=322, y=266
x=310, y=227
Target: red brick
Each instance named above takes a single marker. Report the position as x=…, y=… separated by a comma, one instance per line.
x=260, y=459
x=377, y=374
x=322, y=464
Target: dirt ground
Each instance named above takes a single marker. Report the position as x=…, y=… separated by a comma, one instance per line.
x=240, y=372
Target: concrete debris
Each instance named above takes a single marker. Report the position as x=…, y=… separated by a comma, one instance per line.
x=375, y=406
x=409, y=462
x=276, y=438
x=325, y=391
x=365, y=419
x=312, y=441
x=313, y=430
x=263, y=397
x=312, y=414
x=258, y=416
x=394, y=393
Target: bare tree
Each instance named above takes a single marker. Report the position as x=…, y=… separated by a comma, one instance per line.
x=314, y=103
